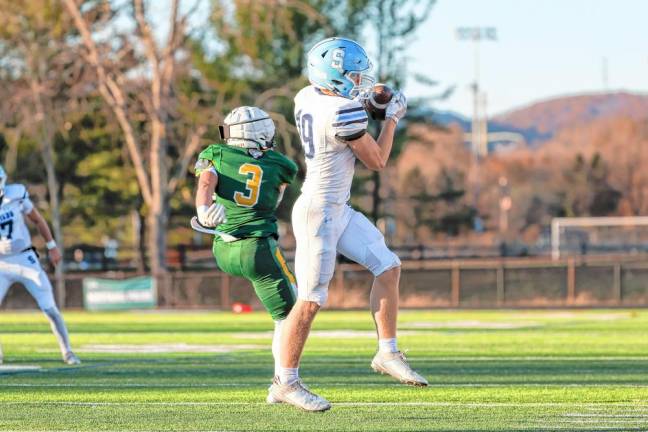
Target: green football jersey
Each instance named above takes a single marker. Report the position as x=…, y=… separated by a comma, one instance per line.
x=249, y=188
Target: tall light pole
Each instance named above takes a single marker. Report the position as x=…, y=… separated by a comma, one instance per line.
x=479, y=130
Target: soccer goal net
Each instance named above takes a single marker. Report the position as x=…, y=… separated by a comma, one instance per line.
x=598, y=235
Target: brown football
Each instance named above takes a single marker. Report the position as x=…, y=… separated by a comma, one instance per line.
x=378, y=100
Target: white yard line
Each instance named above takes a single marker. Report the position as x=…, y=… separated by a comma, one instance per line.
x=18, y=368
x=329, y=384
x=415, y=358
x=585, y=427
x=603, y=416
x=343, y=404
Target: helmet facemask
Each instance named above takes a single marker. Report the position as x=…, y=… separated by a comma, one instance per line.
x=363, y=82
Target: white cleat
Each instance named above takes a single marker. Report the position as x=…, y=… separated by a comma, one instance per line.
x=271, y=399
x=71, y=359
x=395, y=365
x=298, y=395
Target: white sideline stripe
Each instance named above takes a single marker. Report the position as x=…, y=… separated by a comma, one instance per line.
x=600, y=416
x=9, y=369
x=583, y=427
x=414, y=358
x=590, y=421
x=349, y=404
x=333, y=384
x=598, y=420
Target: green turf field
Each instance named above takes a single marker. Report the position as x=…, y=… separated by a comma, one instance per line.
x=489, y=370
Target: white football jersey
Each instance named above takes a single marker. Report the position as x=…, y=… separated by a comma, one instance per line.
x=14, y=206
x=325, y=124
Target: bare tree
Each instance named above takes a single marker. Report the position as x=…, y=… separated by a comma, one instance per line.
x=396, y=21
x=44, y=81
x=136, y=78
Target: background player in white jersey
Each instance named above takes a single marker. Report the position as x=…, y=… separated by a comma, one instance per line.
x=332, y=123
x=19, y=262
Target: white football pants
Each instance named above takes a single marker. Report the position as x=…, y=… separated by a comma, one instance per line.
x=323, y=230
x=24, y=268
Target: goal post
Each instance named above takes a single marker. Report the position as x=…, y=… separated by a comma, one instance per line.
x=559, y=224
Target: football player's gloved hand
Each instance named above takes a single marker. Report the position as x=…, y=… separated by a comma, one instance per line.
x=397, y=107
x=211, y=216
x=6, y=247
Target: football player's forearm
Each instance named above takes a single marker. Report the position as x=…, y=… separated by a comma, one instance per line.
x=386, y=140
x=206, y=187
x=45, y=231
x=41, y=225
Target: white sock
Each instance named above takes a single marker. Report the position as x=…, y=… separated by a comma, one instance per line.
x=288, y=375
x=276, y=339
x=387, y=345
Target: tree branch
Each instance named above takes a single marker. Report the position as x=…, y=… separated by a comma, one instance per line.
x=191, y=147
x=114, y=97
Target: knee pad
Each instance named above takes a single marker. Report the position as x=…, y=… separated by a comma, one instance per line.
x=318, y=295
x=46, y=302
x=379, y=258
x=52, y=312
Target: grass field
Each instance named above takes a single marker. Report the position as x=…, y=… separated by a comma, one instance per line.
x=489, y=370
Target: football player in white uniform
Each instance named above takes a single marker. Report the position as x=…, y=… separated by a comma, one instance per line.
x=19, y=262
x=333, y=127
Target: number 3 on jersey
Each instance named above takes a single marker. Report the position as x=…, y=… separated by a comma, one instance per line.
x=305, y=127
x=254, y=175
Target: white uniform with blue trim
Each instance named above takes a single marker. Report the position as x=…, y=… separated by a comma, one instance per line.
x=21, y=265
x=323, y=223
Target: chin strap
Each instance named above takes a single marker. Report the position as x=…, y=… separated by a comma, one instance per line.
x=256, y=153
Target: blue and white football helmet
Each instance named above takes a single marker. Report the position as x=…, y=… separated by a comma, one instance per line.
x=341, y=66
x=3, y=180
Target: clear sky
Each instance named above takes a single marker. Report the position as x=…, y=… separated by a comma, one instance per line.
x=545, y=48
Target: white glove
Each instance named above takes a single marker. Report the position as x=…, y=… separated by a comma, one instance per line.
x=397, y=107
x=211, y=216
x=7, y=247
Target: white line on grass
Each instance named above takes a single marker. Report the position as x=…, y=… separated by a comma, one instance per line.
x=599, y=416
x=586, y=428
x=312, y=359
x=597, y=420
x=322, y=384
x=343, y=404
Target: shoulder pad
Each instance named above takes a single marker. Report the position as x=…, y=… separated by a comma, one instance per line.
x=349, y=119
x=202, y=164
x=345, y=105
x=15, y=192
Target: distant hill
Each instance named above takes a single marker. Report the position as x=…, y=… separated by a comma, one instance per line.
x=541, y=121
x=547, y=117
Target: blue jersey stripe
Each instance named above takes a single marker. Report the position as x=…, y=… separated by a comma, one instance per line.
x=352, y=116
x=349, y=110
x=344, y=123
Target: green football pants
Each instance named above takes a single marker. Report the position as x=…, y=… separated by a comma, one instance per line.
x=260, y=261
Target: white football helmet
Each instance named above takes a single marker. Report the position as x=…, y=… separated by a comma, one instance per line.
x=248, y=127
x=3, y=180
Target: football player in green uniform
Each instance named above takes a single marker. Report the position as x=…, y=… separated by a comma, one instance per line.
x=240, y=185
